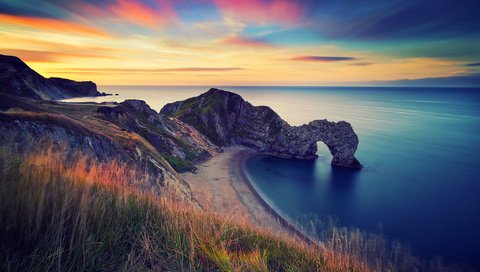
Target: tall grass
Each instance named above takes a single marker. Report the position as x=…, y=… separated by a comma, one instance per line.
x=381, y=253
x=57, y=216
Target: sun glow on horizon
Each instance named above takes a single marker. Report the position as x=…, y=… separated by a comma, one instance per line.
x=213, y=43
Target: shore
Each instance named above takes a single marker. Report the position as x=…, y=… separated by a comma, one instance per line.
x=220, y=185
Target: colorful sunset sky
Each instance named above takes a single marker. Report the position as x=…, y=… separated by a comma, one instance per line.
x=246, y=42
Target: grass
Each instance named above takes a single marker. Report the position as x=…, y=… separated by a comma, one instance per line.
x=83, y=215
x=180, y=165
x=89, y=217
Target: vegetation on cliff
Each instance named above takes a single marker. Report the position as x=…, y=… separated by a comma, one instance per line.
x=89, y=217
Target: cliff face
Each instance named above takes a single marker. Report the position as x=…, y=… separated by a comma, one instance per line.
x=76, y=88
x=17, y=79
x=226, y=119
x=29, y=132
x=179, y=143
x=130, y=133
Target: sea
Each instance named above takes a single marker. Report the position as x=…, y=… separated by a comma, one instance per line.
x=420, y=148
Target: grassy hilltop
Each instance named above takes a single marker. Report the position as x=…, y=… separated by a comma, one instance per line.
x=87, y=217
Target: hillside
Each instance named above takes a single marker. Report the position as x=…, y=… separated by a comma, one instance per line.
x=86, y=220
x=17, y=79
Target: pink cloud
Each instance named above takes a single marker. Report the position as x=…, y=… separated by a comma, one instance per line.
x=272, y=11
x=135, y=11
x=245, y=42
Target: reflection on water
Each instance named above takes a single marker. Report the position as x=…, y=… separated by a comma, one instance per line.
x=342, y=179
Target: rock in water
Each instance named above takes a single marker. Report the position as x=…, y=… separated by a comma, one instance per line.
x=227, y=119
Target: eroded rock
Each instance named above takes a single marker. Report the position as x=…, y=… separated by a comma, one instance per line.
x=227, y=119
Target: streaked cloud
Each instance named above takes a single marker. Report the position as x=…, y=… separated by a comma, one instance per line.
x=322, y=58
x=395, y=20
x=245, y=42
x=51, y=25
x=361, y=63
x=48, y=56
x=153, y=70
x=152, y=14
x=260, y=11
x=474, y=64
x=241, y=42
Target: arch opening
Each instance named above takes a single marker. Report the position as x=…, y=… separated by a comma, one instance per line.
x=323, y=152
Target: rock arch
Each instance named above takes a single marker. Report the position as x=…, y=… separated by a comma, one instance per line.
x=226, y=119
x=339, y=137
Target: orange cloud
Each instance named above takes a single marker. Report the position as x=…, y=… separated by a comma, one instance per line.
x=51, y=25
x=135, y=12
x=46, y=56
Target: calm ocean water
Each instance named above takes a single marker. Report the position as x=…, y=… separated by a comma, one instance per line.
x=420, y=148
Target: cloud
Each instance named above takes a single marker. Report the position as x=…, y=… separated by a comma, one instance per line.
x=322, y=58
x=138, y=12
x=51, y=24
x=361, y=63
x=146, y=13
x=245, y=42
x=396, y=19
x=47, y=56
x=260, y=11
x=474, y=64
x=153, y=70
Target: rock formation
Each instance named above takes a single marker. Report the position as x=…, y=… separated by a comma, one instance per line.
x=161, y=144
x=179, y=143
x=17, y=79
x=226, y=119
x=76, y=88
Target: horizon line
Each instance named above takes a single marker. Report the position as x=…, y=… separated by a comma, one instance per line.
x=326, y=86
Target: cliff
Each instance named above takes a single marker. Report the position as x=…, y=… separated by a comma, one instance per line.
x=226, y=119
x=179, y=143
x=129, y=133
x=17, y=79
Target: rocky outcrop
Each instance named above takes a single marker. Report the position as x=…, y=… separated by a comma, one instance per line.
x=17, y=79
x=179, y=143
x=27, y=127
x=226, y=119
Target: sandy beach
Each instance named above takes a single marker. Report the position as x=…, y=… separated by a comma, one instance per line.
x=219, y=186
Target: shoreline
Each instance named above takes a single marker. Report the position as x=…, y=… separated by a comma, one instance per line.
x=281, y=219
x=221, y=185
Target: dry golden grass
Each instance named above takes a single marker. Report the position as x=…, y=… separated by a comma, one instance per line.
x=84, y=215
x=89, y=216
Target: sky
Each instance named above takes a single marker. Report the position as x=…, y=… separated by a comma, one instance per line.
x=246, y=42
